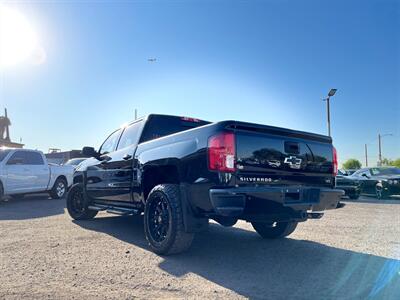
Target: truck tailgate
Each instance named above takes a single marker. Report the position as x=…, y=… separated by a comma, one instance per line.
x=272, y=155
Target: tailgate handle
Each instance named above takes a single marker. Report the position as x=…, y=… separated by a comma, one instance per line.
x=292, y=147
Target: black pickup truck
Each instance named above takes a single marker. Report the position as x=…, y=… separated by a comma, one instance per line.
x=180, y=172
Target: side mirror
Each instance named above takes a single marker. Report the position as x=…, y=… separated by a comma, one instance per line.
x=365, y=175
x=89, y=152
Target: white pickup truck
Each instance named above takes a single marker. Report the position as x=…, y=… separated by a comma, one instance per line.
x=24, y=171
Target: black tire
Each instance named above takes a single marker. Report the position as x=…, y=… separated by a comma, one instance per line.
x=380, y=193
x=226, y=221
x=354, y=196
x=274, y=230
x=17, y=196
x=77, y=206
x=59, y=189
x=163, y=221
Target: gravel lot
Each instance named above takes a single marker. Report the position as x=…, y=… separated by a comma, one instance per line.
x=352, y=253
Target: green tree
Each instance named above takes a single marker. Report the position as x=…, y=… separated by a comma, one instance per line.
x=387, y=162
x=352, y=163
x=396, y=163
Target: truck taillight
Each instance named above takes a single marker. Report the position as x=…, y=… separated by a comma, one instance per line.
x=335, y=162
x=221, y=152
x=187, y=119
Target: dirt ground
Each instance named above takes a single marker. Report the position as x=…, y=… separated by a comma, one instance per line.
x=352, y=253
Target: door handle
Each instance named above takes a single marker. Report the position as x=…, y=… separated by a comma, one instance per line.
x=127, y=156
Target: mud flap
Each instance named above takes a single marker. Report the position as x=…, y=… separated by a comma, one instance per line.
x=190, y=221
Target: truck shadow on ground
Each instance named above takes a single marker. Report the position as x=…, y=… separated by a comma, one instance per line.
x=30, y=207
x=241, y=261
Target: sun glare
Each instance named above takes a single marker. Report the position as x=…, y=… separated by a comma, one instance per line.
x=18, y=40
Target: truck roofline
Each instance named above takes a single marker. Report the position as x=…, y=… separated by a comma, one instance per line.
x=146, y=117
x=234, y=124
x=276, y=129
x=21, y=149
x=248, y=126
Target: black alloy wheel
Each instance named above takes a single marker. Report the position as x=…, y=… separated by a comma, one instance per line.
x=159, y=216
x=77, y=206
x=163, y=221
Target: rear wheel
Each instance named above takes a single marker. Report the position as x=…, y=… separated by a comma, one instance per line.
x=274, y=230
x=163, y=221
x=226, y=221
x=17, y=196
x=59, y=189
x=77, y=206
x=354, y=196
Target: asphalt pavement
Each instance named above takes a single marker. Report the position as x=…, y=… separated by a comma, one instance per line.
x=351, y=253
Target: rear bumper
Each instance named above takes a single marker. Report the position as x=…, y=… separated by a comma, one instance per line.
x=232, y=201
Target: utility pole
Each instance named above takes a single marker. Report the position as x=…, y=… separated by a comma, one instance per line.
x=328, y=109
x=380, y=136
x=366, y=155
x=380, y=149
x=135, y=114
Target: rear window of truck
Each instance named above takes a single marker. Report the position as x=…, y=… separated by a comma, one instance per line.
x=159, y=126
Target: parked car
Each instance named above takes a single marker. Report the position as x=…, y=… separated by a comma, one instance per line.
x=382, y=182
x=350, y=185
x=180, y=172
x=24, y=171
x=350, y=172
x=74, y=161
x=347, y=172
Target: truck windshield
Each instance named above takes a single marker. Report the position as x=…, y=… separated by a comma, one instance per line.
x=3, y=154
x=158, y=126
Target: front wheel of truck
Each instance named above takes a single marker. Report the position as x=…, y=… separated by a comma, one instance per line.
x=274, y=230
x=163, y=221
x=77, y=206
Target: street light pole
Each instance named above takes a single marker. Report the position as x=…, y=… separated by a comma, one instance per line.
x=366, y=155
x=328, y=109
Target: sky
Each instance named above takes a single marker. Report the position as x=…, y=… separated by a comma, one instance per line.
x=269, y=62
